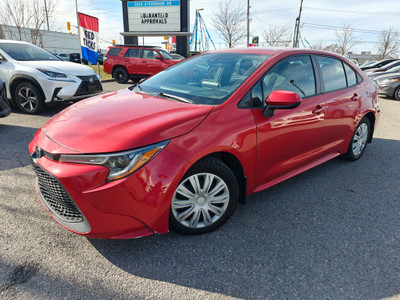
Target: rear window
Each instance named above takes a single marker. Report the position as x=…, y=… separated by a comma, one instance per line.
x=332, y=73
x=351, y=75
x=114, y=51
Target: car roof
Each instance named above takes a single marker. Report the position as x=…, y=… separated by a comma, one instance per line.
x=13, y=42
x=276, y=51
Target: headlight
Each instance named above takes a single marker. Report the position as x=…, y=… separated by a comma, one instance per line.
x=387, y=81
x=120, y=164
x=53, y=74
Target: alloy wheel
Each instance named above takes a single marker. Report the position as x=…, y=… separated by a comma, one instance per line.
x=27, y=99
x=360, y=139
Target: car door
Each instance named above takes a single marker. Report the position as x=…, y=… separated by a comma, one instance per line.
x=132, y=61
x=292, y=138
x=151, y=64
x=343, y=96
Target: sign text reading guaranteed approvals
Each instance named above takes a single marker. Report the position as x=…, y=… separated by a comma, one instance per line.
x=163, y=16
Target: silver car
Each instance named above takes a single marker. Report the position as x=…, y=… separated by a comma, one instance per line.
x=35, y=77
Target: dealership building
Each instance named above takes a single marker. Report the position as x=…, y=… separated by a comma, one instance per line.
x=52, y=41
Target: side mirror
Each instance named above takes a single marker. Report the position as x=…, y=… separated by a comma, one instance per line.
x=158, y=57
x=281, y=100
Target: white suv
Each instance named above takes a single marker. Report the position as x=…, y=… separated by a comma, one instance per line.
x=35, y=77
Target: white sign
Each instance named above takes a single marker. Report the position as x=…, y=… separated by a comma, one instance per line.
x=148, y=16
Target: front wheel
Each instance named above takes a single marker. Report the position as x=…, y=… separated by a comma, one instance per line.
x=205, y=198
x=359, y=140
x=397, y=93
x=28, y=98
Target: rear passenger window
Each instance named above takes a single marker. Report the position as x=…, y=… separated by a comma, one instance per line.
x=351, y=75
x=294, y=74
x=114, y=51
x=135, y=53
x=332, y=73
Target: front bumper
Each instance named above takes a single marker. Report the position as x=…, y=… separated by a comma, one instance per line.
x=388, y=90
x=73, y=88
x=87, y=204
x=5, y=109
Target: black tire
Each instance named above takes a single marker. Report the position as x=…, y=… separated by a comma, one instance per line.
x=121, y=75
x=397, y=93
x=359, y=140
x=204, y=204
x=28, y=98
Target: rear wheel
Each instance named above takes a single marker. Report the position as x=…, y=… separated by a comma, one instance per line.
x=205, y=198
x=28, y=98
x=359, y=140
x=121, y=75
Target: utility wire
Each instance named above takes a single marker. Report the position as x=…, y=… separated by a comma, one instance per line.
x=338, y=28
x=352, y=11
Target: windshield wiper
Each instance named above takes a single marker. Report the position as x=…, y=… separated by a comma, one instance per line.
x=162, y=94
x=134, y=86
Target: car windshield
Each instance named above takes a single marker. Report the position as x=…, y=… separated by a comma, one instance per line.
x=205, y=79
x=26, y=52
x=166, y=55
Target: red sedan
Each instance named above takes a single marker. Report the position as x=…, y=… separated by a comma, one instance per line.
x=182, y=148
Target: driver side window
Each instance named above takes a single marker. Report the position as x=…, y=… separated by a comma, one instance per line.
x=294, y=74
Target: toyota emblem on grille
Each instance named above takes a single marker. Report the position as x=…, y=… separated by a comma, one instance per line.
x=91, y=80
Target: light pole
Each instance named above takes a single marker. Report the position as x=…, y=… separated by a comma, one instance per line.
x=197, y=28
x=248, y=22
x=297, y=28
x=79, y=30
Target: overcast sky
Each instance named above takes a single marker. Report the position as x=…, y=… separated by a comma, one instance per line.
x=320, y=18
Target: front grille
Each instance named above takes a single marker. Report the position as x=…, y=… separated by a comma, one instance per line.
x=89, y=85
x=55, y=196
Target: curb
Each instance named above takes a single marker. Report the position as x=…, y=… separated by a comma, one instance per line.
x=107, y=80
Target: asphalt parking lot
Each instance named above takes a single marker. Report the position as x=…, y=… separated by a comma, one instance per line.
x=330, y=233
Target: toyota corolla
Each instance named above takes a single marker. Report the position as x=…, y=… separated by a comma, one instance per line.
x=181, y=149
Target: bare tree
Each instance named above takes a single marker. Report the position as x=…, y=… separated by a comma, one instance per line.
x=277, y=36
x=318, y=46
x=27, y=17
x=388, y=43
x=335, y=48
x=229, y=22
x=345, y=39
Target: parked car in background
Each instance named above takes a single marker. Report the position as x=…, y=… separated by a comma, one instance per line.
x=354, y=61
x=380, y=73
x=183, y=147
x=368, y=62
x=389, y=85
x=35, y=78
x=75, y=57
x=100, y=58
x=177, y=56
x=378, y=64
x=62, y=56
x=5, y=109
x=136, y=62
x=384, y=68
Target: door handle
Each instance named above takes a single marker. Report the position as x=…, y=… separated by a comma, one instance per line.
x=356, y=97
x=319, y=109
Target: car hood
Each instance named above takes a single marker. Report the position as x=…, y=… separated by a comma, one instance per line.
x=122, y=120
x=61, y=66
x=387, y=76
